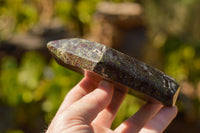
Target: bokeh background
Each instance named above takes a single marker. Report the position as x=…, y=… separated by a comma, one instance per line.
x=165, y=34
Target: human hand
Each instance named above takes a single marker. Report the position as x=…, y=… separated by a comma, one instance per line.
x=91, y=106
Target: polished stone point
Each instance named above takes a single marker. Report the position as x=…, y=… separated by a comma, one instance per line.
x=124, y=71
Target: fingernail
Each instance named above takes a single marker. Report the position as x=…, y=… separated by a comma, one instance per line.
x=105, y=84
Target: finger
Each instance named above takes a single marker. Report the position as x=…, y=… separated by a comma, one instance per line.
x=139, y=119
x=106, y=117
x=85, y=86
x=160, y=121
x=95, y=77
x=87, y=108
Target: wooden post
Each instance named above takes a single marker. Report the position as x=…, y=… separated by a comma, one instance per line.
x=120, y=26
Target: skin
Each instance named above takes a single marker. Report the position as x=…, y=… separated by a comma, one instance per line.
x=91, y=106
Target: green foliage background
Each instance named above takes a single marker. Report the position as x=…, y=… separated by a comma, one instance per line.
x=42, y=92
x=34, y=88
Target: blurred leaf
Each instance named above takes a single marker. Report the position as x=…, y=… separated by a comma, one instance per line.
x=63, y=9
x=85, y=9
x=26, y=17
x=188, y=52
x=9, y=63
x=9, y=87
x=14, y=131
x=181, y=61
x=31, y=70
x=27, y=96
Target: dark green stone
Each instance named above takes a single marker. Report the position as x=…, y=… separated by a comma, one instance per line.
x=143, y=80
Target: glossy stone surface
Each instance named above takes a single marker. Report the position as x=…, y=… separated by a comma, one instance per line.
x=144, y=81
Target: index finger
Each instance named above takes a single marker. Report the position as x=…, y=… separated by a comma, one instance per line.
x=161, y=120
x=140, y=118
x=85, y=86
